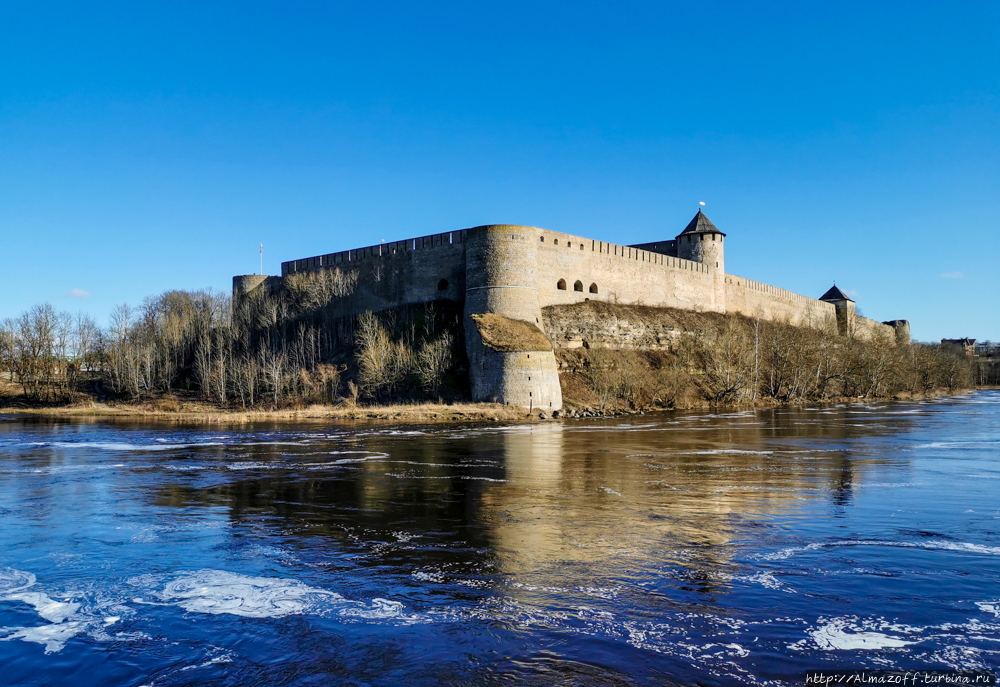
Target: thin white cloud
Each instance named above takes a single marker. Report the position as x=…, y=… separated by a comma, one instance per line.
x=78, y=293
x=853, y=293
x=952, y=275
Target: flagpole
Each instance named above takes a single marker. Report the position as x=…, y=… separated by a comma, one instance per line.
x=262, y=259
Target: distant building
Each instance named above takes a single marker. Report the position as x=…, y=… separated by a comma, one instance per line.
x=967, y=346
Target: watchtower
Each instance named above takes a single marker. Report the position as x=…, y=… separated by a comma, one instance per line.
x=701, y=241
x=844, y=306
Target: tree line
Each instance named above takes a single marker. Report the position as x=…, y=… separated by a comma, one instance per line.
x=293, y=346
x=262, y=349
x=744, y=361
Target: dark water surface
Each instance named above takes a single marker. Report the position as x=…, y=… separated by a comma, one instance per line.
x=740, y=548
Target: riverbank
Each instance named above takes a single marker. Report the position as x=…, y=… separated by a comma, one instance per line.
x=172, y=409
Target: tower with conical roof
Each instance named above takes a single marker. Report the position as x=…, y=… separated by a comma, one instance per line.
x=844, y=306
x=701, y=241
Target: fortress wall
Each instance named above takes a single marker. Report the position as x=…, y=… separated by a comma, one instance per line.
x=622, y=274
x=396, y=273
x=753, y=298
x=867, y=329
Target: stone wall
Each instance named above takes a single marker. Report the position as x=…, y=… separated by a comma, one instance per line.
x=752, y=298
x=398, y=273
x=619, y=274
x=867, y=329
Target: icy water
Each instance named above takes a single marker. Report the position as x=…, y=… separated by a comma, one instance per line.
x=717, y=549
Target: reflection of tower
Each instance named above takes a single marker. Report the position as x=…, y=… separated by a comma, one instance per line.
x=533, y=458
x=532, y=534
x=573, y=504
x=701, y=241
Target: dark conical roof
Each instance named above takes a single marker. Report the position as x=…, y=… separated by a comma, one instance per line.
x=835, y=294
x=701, y=225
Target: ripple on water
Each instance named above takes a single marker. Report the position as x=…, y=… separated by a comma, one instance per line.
x=961, y=547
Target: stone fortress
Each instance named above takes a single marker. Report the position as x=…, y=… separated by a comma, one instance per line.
x=504, y=275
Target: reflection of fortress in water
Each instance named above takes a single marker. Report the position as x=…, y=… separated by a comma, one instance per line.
x=676, y=491
x=511, y=272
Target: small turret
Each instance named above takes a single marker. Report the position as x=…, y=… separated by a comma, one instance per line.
x=701, y=241
x=902, y=330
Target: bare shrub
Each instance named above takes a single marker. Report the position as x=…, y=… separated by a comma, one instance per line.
x=382, y=362
x=433, y=361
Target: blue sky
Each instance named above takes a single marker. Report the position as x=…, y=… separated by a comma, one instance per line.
x=146, y=148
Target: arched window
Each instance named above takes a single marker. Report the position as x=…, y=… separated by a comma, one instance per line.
x=593, y=288
x=555, y=241
x=443, y=285
x=561, y=284
x=542, y=239
x=578, y=286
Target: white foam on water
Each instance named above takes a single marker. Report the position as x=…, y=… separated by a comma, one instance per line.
x=404, y=475
x=959, y=445
x=989, y=607
x=66, y=618
x=254, y=465
x=610, y=491
x=123, y=446
x=766, y=580
x=217, y=591
x=725, y=451
x=224, y=657
x=963, y=547
x=12, y=580
x=846, y=634
x=53, y=636
x=48, y=608
x=380, y=609
x=887, y=485
x=368, y=455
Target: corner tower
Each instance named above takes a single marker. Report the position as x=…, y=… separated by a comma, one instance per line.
x=511, y=360
x=701, y=241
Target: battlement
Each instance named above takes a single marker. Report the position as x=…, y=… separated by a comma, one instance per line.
x=638, y=253
x=774, y=291
x=379, y=250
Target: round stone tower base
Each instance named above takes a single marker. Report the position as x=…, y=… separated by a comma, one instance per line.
x=523, y=378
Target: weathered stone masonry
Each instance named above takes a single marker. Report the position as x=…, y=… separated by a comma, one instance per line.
x=515, y=271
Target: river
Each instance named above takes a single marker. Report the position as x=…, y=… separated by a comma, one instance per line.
x=673, y=548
